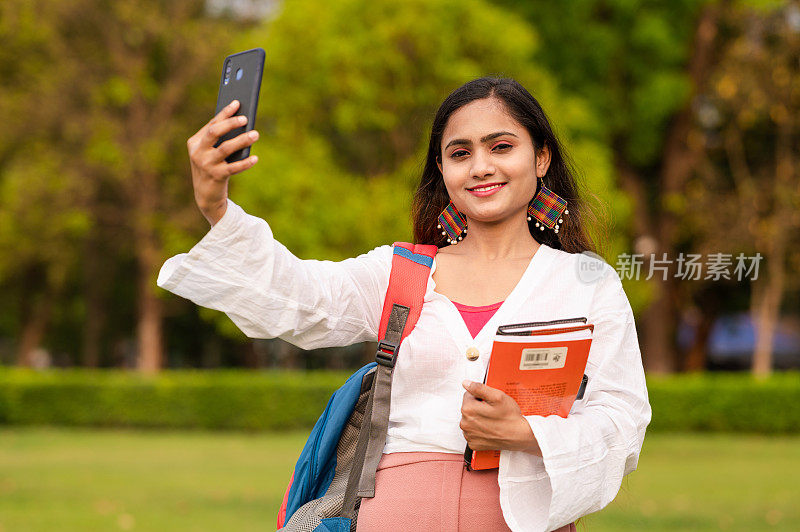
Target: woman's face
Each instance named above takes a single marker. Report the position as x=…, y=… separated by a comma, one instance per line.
x=488, y=162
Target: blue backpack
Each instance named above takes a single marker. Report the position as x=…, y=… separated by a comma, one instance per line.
x=336, y=468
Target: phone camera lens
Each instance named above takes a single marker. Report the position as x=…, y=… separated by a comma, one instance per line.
x=239, y=74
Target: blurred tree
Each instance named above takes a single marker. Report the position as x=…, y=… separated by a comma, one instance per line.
x=349, y=94
x=42, y=199
x=348, y=97
x=94, y=184
x=750, y=176
x=639, y=63
x=99, y=96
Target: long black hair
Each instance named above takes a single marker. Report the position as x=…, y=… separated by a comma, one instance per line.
x=431, y=196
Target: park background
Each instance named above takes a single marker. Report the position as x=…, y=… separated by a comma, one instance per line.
x=125, y=407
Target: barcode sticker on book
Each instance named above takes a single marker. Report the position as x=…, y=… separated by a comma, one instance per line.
x=543, y=358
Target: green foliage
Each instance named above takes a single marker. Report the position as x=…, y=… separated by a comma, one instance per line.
x=97, y=101
x=174, y=399
x=348, y=97
x=627, y=60
x=52, y=228
x=626, y=57
x=108, y=93
x=726, y=402
x=278, y=400
x=653, y=103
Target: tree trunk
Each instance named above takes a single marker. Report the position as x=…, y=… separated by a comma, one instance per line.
x=659, y=334
x=368, y=352
x=250, y=356
x=708, y=302
x=149, y=329
x=94, y=285
x=679, y=159
x=288, y=355
x=767, y=309
x=34, y=328
x=653, y=356
x=697, y=355
x=769, y=306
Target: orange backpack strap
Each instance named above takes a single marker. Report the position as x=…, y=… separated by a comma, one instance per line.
x=408, y=281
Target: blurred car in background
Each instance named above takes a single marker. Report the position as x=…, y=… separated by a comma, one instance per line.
x=732, y=341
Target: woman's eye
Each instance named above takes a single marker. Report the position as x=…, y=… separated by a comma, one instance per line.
x=461, y=153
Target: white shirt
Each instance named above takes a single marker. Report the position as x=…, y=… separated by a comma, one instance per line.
x=240, y=269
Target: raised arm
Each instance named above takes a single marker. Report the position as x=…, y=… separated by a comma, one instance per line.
x=240, y=269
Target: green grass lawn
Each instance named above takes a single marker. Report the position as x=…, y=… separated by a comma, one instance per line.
x=78, y=480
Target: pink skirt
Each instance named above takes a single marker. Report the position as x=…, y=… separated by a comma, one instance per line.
x=435, y=492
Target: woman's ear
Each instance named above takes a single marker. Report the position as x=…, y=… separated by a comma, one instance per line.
x=439, y=164
x=542, y=161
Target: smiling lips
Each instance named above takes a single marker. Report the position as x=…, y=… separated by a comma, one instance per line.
x=486, y=190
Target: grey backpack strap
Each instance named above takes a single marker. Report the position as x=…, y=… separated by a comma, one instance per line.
x=372, y=436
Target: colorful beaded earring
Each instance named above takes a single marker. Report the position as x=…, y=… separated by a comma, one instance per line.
x=547, y=207
x=453, y=224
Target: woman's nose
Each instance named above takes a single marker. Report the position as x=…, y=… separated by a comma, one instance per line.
x=482, y=165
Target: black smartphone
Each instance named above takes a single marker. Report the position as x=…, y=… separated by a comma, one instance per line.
x=241, y=80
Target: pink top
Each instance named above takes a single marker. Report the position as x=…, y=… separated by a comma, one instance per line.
x=476, y=317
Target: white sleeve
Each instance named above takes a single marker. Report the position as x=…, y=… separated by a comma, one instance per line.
x=585, y=455
x=241, y=270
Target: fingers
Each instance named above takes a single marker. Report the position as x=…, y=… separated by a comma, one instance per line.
x=237, y=143
x=227, y=111
x=483, y=392
x=472, y=407
x=217, y=129
x=241, y=166
x=209, y=133
x=472, y=428
x=221, y=171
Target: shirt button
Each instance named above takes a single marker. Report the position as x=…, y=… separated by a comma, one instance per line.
x=473, y=353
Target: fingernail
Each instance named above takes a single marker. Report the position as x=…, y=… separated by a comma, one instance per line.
x=255, y=159
x=253, y=134
x=242, y=119
x=466, y=384
x=234, y=102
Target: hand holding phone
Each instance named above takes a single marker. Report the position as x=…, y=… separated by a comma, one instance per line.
x=220, y=148
x=241, y=80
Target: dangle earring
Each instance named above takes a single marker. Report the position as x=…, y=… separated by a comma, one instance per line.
x=547, y=207
x=453, y=224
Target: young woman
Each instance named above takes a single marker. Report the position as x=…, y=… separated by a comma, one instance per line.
x=498, y=199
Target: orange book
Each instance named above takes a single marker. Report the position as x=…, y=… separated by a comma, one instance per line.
x=541, y=366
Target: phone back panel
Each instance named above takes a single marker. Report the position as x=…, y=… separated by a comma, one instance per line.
x=241, y=80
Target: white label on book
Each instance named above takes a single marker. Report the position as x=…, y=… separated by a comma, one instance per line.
x=543, y=358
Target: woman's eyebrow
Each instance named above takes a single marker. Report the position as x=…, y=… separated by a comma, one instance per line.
x=490, y=136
